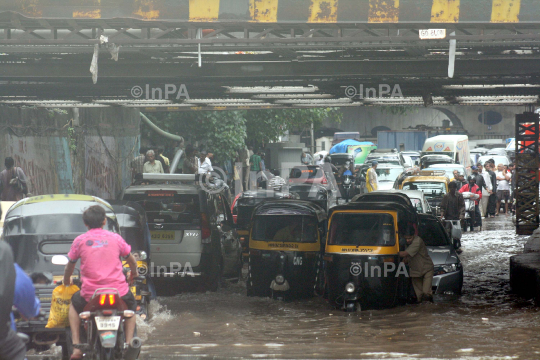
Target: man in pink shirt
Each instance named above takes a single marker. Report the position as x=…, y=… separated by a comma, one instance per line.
x=100, y=252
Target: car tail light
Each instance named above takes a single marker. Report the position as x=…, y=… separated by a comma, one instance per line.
x=324, y=181
x=205, y=227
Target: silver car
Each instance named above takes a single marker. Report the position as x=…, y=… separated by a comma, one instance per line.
x=448, y=270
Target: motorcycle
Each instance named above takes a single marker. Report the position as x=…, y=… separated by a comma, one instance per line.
x=469, y=199
x=102, y=323
x=347, y=185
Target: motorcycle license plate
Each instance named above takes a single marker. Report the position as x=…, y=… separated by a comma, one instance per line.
x=107, y=322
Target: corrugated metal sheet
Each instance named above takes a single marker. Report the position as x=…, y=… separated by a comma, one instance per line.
x=285, y=11
x=412, y=140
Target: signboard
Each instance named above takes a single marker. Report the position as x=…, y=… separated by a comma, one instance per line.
x=429, y=34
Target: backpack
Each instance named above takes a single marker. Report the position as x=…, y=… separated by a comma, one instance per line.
x=17, y=183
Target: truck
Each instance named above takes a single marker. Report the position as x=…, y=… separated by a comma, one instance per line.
x=403, y=140
x=340, y=136
x=455, y=146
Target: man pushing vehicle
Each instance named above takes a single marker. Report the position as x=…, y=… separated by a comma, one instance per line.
x=100, y=252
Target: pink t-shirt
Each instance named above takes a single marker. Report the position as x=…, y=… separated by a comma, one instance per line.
x=100, y=251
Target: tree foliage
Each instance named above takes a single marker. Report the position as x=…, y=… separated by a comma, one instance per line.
x=227, y=131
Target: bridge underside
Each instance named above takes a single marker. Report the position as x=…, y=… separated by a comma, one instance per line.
x=276, y=61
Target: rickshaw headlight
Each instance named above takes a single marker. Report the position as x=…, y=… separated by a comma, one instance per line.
x=350, y=288
x=142, y=255
x=280, y=279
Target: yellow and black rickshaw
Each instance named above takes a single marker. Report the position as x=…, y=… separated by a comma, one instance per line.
x=362, y=267
x=285, y=248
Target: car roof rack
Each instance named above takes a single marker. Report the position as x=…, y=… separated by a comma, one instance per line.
x=169, y=177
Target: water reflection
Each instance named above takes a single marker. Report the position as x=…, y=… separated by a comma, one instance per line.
x=487, y=321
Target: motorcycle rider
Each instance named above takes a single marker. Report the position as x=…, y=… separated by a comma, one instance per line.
x=473, y=188
x=100, y=252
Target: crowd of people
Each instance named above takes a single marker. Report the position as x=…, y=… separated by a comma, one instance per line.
x=490, y=185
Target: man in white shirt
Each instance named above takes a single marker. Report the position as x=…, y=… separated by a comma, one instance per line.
x=503, y=188
x=152, y=165
x=485, y=191
x=206, y=166
x=320, y=160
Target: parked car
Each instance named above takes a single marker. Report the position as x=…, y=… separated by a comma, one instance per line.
x=448, y=270
x=192, y=231
x=479, y=150
x=308, y=174
x=498, y=159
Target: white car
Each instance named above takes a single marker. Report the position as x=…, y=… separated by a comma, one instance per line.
x=418, y=199
x=497, y=152
x=498, y=159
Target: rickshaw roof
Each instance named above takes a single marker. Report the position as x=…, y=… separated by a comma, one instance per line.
x=64, y=204
x=383, y=197
x=290, y=207
x=405, y=212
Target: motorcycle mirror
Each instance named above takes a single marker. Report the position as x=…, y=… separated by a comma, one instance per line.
x=59, y=260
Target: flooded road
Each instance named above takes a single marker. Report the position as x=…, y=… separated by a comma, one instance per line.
x=486, y=322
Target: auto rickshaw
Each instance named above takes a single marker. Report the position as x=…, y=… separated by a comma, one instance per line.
x=434, y=185
x=362, y=266
x=38, y=228
x=243, y=206
x=285, y=248
x=134, y=229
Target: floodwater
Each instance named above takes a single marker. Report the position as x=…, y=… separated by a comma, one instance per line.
x=485, y=322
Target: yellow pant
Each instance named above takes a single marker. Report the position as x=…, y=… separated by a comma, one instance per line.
x=422, y=285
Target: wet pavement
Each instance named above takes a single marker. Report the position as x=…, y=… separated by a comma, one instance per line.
x=485, y=322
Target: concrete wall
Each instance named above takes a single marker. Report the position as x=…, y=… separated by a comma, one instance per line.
x=365, y=119
x=66, y=151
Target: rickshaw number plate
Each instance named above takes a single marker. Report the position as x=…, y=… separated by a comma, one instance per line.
x=162, y=235
x=107, y=322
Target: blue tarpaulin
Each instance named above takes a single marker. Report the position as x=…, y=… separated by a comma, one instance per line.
x=343, y=146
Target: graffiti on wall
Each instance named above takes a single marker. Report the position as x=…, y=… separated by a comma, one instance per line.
x=107, y=169
x=45, y=162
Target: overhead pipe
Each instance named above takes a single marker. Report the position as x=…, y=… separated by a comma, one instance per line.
x=163, y=133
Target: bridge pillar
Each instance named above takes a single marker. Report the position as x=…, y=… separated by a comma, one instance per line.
x=526, y=189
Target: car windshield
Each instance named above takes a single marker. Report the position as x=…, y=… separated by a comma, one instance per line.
x=390, y=174
x=432, y=232
x=285, y=228
x=429, y=188
x=362, y=229
x=306, y=173
x=449, y=170
x=168, y=207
